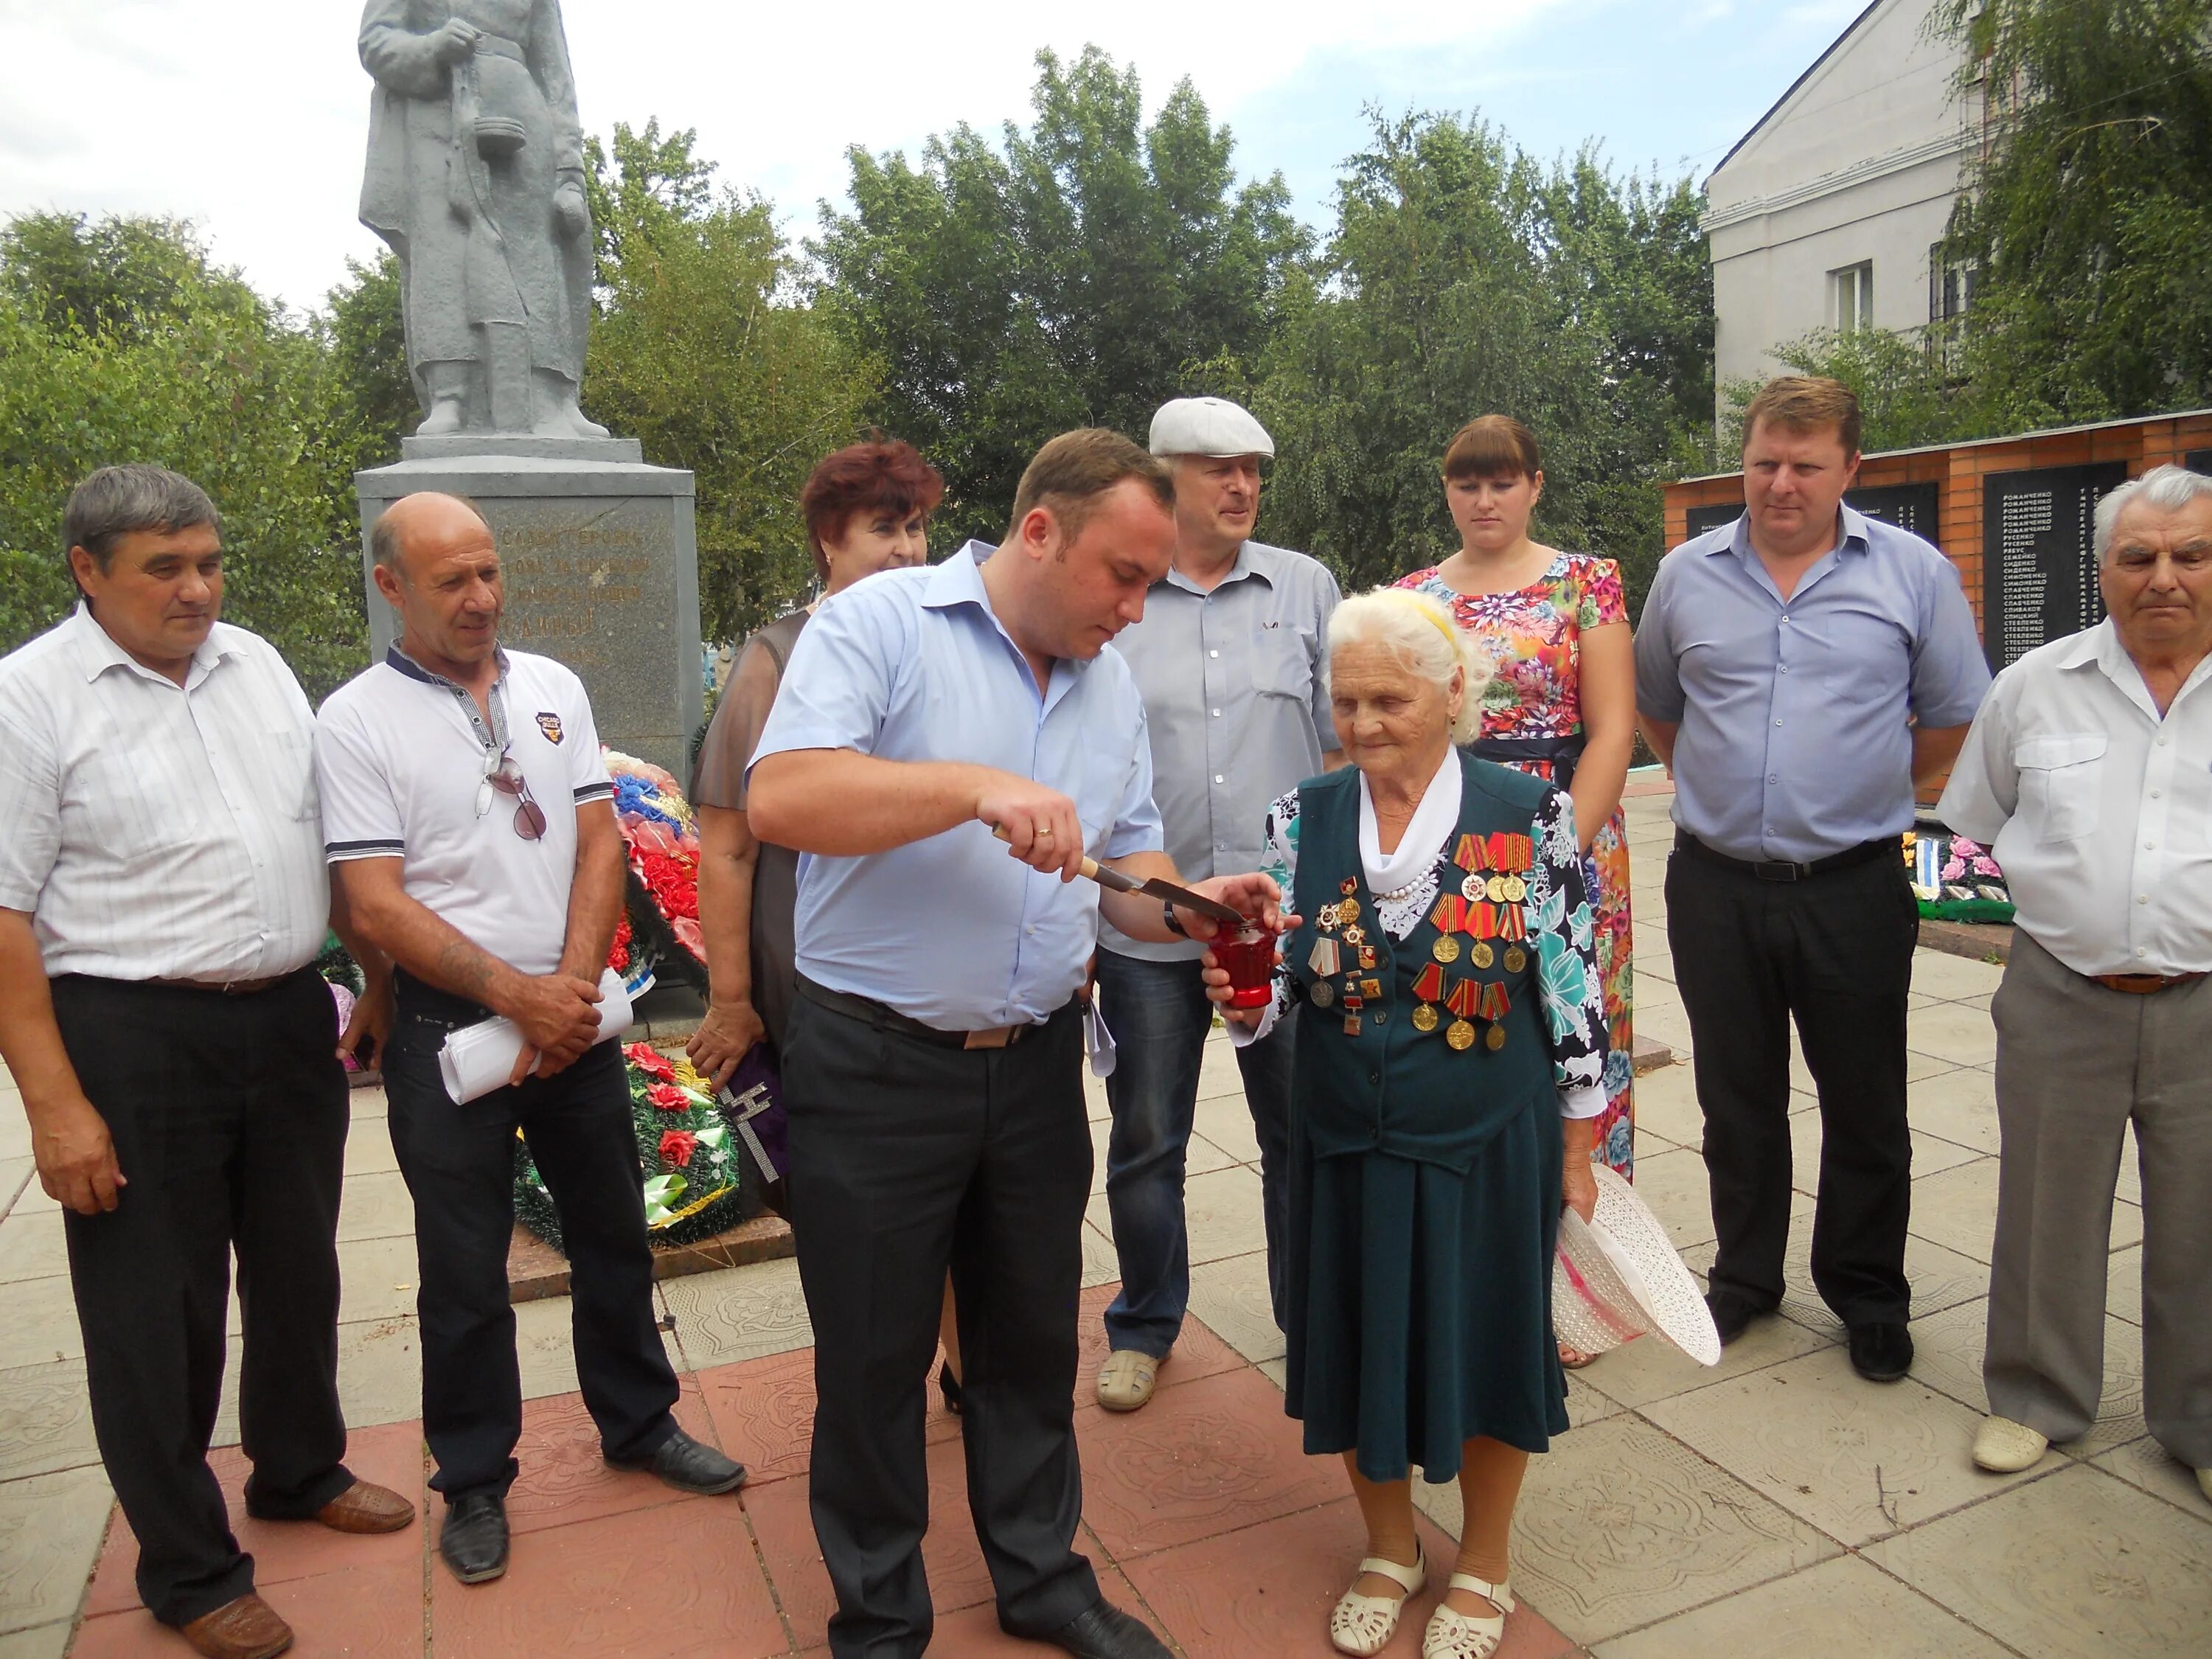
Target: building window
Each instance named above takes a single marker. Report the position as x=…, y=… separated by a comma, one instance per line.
x=1950, y=286
x=1851, y=298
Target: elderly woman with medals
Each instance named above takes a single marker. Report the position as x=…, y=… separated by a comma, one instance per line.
x=1450, y=1070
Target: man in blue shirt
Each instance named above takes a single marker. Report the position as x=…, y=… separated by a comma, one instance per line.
x=933, y=1067
x=1801, y=671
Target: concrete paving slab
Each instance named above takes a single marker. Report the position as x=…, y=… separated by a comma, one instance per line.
x=1960, y=1106
x=1860, y=1461
x=41, y=1324
x=380, y=1370
x=1674, y=1186
x=46, y=1642
x=1230, y=1295
x=2076, y=1564
x=1100, y=1265
x=1666, y=1104
x=1226, y=1121
x=1939, y=1278
x=2146, y=1464
x=739, y=1313
x=369, y=1102
x=1621, y=1526
x=32, y=1246
x=1222, y=1213
x=368, y=1147
x=1962, y=1035
x=16, y=1174
x=378, y=1278
x=375, y=1206
x=1952, y=978
x=1648, y=1370
x=51, y=1530
x=45, y=1420
x=2123, y=1284
x=1948, y=1348
x=1840, y=1606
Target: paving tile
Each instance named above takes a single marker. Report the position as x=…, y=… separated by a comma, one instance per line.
x=369, y=1147
x=739, y=1312
x=1222, y=1214
x=2144, y=1463
x=1929, y=1154
x=764, y=1412
x=1648, y=1369
x=1840, y=1606
x=369, y=1102
x=1218, y=1073
x=45, y=1420
x=1621, y=1526
x=1268, y=1590
x=2123, y=1284
x=1198, y=1352
x=679, y=1582
x=29, y=1194
x=41, y=1324
x=1959, y=1106
x=1230, y=1296
x=376, y=1205
x=951, y=1556
x=46, y=1642
x=1856, y=1459
x=1939, y=1278
x=1225, y=1122
x=974, y=1630
x=563, y=1478
x=14, y=1132
x=1939, y=974
x=1202, y=1459
x=1957, y=1207
x=378, y=1278
x=1674, y=1185
x=1094, y=1097
x=1277, y=1371
x=51, y=1529
x=17, y=1174
x=1918, y=1066
x=31, y=1247
x=1965, y=1037
x=545, y=1347
x=380, y=1370
x=2077, y=1564
x=1948, y=1349
x=1100, y=1265
x=1668, y=1025
x=1201, y=1156
x=1666, y=1104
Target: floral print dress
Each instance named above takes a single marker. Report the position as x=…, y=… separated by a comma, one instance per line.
x=1534, y=636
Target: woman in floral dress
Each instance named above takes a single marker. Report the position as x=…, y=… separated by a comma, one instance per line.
x=1562, y=705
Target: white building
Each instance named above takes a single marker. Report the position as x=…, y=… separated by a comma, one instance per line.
x=1826, y=213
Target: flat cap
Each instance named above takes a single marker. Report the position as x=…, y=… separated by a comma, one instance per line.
x=1208, y=426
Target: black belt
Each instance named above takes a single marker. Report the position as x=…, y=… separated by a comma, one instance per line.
x=416, y=999
x=886, y=1017
x=1775, y=870
x=1565, y=753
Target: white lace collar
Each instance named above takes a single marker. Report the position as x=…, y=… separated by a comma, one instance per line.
x=1432, y=821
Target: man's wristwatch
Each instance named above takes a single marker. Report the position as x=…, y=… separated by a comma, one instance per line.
x=1168, y=917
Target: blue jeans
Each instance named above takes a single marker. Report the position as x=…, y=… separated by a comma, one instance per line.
x=1159, y=1015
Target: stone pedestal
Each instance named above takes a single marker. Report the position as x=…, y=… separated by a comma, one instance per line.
x=601, y=564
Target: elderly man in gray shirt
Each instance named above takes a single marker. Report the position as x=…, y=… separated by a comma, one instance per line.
x=1802, y=670
x=1231, y=659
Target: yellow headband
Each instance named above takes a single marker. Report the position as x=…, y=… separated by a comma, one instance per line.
x=1402, y=596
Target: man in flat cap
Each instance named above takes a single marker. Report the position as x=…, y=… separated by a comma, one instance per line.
x=1232, y=661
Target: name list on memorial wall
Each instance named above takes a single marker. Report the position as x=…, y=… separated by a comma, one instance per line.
x=1911, y=506
x=2039, y=557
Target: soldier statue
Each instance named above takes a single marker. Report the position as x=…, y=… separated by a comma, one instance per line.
x=476, y=178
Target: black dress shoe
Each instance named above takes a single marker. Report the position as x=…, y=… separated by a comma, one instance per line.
x=949, y=1386
x=473, y=1541
x=1881, y=1353
x=688, y=1465
x=1104, y=1632
x=1733, y=1313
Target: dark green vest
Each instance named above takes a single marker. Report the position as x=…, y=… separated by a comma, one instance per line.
x=1392, y=1087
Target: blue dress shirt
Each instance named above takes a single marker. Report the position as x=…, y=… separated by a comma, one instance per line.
x=1794, y=743
x=951, y=930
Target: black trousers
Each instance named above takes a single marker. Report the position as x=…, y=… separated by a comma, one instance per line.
x=459, y=1163
x=905, y=1156
x=1835, y=952
x=228, y=1116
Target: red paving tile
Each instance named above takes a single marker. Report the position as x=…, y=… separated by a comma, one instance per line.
x=1198, y=1352
x=391, y=1456
x=363, y=1613
x=563, y=1478
x=1203, y=1458
x=670, y=1582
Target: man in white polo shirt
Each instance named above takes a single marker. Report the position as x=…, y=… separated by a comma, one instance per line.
x=469, y=822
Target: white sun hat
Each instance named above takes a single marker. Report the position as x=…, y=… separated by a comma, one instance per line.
x=1208, y=426
x=1618, y=1278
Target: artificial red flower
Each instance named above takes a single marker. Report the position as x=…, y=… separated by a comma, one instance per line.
x=650, y=1060
x=676, y=1147
x=618, y=953
x=668, y=1098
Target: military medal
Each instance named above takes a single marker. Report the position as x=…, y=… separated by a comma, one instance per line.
x=1351, y=1025
x=1323, y=958
x=1460, y=1035
x=1481, y=954
x=1446, y=949
x=1428, y=989
x=1347, y=887
x=1494, y=1038
x=1515, y=958
x=1494, y=1004
x=1325, y=918
x=1353, y=1002
x=1355, y=935
x=1367, y=957
x=1321, y=993
x=1371, y=990
x=1494, y=889
x=1516, y=889
x=1349, y=910
x=1476, y=887
x=1470, y=855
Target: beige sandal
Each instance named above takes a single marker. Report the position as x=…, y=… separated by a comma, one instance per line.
x=1461, y=1635
x=1125, y=1380
x=1366, y=1623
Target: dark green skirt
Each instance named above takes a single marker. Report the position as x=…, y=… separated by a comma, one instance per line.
x=1419, y=1301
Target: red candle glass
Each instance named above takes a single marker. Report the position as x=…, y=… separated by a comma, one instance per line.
x=1249, y=955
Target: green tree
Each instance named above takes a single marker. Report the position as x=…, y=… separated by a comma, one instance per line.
x=2086, y=217
x=1081, y=272
x=1908, y=394
x=366, y=336
x=121, y=342
x=1464, y=278
x=701, y=350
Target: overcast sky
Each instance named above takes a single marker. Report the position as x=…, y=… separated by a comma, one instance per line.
x=250, y=117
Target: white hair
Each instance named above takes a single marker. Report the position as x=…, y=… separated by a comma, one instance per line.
x=2168, y=487
x=1422, y=635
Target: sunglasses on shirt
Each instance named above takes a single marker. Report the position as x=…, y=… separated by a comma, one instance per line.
x=502, y=774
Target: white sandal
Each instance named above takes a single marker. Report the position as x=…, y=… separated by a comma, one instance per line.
x=1459, y=1636
x=1366, y=1623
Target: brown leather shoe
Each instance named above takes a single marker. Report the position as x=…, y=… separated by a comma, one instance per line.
x=247, y=1628
x=366, y=1507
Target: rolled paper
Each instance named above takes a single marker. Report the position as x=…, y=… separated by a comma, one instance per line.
x=480, y=1058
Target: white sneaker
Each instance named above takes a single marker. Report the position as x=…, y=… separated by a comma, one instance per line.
x=1461, y=1636
x=1127, y=1380
x=1366, y=1623
x=2004, y=1447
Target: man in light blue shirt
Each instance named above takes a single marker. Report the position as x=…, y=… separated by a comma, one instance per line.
x=934, y=1067
x=1231, y=657
x=1802, y=670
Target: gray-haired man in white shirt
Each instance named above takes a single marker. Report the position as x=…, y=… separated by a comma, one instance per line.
x=161, y=896
x=2089, y=772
